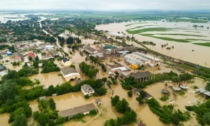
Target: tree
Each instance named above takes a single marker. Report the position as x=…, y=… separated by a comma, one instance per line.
x=88, y=70
x=206, y=118
x=115, y=100
x=70, y=40
x=36, y=64
x=208, y=86
x=130, y=94
x=20, y=120
x=52, y=104
x=37, y=58
x=122, y=106
x=129, y=117
x=43, y=119
x=7, y=90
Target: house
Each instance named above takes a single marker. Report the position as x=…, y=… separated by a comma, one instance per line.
x=87, y=90
x=3, y=70
x=84, y=109
x=66, y=62
x=142, y=76
x=90, y=50
x=47, y=56
x=70, y=74
x=9, y=53
x=54, y=53
x=18, y=58
x=32, y=55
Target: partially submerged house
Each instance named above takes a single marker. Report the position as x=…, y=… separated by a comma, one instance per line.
x=32, y=55
x=18, y=58
x=84, y=109
x=142, y=76
x=3, y=70
x=87, y=90
x=70, y=74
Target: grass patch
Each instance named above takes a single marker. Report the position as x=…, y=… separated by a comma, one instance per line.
x=131, y=24
x=184, y=35
x=167, y=38
x=146, y=30
x=139, y=27
x=203, y=44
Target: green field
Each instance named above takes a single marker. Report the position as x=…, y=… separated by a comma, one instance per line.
x=184, y=35
x=147, y=30
x=203, y=44
x=167, y=38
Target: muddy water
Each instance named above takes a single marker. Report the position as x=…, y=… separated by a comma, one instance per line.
x=53, y=78
x=188, y=99
x=181, y=50
x=4, y=119
x=9, y=65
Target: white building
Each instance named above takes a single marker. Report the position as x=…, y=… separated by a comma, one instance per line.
x=87, y=90
x=70, y=74
x=141, y=59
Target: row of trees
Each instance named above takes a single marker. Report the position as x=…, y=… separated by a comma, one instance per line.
x=130, y=82
x=122, y=106
x=167, y=113
x=35, y=92
x=88, y=70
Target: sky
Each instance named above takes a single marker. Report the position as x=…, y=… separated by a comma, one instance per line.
x=105, y=5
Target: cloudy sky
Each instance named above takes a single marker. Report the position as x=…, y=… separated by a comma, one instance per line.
x=106, y=4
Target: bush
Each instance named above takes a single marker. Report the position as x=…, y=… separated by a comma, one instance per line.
x=164, y=98
x=130, y=94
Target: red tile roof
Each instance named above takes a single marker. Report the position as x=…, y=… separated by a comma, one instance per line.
x=31, y=54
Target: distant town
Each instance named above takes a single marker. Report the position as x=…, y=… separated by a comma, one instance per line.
x=72, y=70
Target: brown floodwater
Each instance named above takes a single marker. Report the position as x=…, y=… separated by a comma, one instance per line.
x=4, y=119
x=53, y=78
x=181, y=50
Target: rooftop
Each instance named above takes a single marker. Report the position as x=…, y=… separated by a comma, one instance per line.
x=89, y=49
x=67, y=71
x=65, y=60
x=87, y=88
x=141, y=74
x=77, y=110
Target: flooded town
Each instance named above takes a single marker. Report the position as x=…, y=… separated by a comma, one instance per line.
x=101, y=68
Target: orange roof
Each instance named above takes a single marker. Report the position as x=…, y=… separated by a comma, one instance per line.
x=31, y=54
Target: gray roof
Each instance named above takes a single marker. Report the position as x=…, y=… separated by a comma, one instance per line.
x=77, y=110
x=65, y=60
x=141, y=74
x=2, y=67
x=89, y=49
x=87, y=88
x=66, y=71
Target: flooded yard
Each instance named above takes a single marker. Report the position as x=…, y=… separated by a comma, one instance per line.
x=47, y=79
